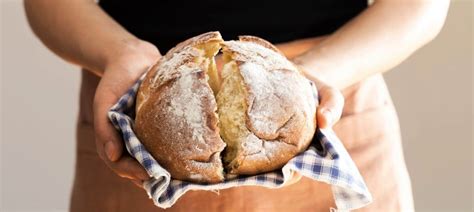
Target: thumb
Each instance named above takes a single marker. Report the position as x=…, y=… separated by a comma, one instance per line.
x=108, y=141
x=107, y=138
x=113, y=148
x=330, y=107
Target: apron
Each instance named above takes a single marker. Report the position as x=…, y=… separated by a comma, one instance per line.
x=368, y=128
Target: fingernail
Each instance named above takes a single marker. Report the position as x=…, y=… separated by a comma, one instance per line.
x=328, y=116
x=109, y=150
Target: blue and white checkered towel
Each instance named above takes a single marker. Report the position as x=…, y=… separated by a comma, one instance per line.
x=326, y=160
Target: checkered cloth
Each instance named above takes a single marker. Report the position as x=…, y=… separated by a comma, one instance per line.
x=326, y=160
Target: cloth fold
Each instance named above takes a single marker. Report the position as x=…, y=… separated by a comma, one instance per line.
x=326, y=160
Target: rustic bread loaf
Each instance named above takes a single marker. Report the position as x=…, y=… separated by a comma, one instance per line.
x=260, y=109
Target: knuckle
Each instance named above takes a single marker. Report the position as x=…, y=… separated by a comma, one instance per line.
x=123, y=175
x=119, y=170
x=100, y=153
x=123, y=168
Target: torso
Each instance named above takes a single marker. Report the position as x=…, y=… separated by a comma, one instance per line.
x=167, y=22
x=369, y=130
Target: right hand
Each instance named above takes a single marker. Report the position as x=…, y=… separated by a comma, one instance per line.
x=121, y=72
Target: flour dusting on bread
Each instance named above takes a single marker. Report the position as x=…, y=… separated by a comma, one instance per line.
x=266, y=110
x=262, y=110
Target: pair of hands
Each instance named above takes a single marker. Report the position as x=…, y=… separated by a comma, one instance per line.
x=121, y=73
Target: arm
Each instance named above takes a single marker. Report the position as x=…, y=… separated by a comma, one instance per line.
x=378, y=39
x=81, y=33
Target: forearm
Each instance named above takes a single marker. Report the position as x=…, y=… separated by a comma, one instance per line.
x=80, y=32
x=375, y=41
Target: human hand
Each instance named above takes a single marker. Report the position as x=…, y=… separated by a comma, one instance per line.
x=329, y=110
x=121, y=72
x=331, y=103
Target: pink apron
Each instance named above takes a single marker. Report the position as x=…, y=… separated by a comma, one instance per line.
x=369, y=130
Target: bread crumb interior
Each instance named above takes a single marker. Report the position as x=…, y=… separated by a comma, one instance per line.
x=229, y=92
x=231, y=106
x=211, y=49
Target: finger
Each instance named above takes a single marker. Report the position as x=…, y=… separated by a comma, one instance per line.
x=109, y=144
x=138, y=183
x=128, y=167
x=108, y=140
x=330, y=106
x=294, y=178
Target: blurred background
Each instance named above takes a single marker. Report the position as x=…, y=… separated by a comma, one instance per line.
x=432, y=91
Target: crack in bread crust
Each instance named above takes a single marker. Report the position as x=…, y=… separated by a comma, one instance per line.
x=176, y=113
x=262, y=113
x=279, y=120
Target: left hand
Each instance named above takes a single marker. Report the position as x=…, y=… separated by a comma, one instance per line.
x=331, y=103
x=331, y=100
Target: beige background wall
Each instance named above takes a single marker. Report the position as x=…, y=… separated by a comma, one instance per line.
x=432, y=92
x=39, y=94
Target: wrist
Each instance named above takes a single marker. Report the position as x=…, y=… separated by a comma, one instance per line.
x=130, y=55
x=312, y=70
x=305, y=68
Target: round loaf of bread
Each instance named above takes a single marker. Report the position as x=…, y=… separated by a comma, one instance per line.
x=205, y=125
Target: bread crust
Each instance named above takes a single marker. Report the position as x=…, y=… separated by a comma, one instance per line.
x=176, y=110
x=176, y=116
x=280, y=117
